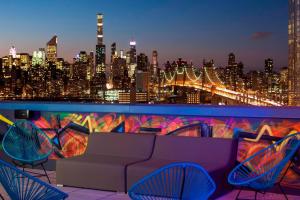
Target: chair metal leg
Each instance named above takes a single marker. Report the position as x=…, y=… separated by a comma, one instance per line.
x=255, y=195
x=46, y=173
x=238, y=194
x=283, y=192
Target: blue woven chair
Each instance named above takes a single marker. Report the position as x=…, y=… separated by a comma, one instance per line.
x=26, y=144
x=267, y=167
x=20, y=185
x=174, y=181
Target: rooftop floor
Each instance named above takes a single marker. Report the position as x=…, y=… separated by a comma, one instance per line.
x=87, y=194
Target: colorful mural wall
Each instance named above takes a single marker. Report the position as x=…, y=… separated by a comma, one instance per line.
x=72, y=140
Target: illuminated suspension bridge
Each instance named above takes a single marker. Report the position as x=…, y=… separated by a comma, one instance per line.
x=208, y=80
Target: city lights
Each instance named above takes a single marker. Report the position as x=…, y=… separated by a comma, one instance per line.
x=133, y=77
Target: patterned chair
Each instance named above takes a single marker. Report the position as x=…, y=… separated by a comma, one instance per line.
x=20, y=185
x=174, y=181
x=26, y=144
x=267, y=167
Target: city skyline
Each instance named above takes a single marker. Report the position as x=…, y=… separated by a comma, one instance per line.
x=253, y=45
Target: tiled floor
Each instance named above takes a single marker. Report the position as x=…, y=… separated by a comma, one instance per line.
x=85, y=194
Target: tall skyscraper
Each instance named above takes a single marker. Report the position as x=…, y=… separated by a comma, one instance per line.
x=100, y=47
x=231, y=72
x=142, y=62
x=83, y=57
x=231, y=59
x=99, y=29
x=294, y=52
x=2, y=82
x=91, y=68
x=118, y=72
x=154, y=78
x=51, y=54
x=113, y=52
x=99, y=79
x=13, y=52
x=154, y=64
x=132, y=52
x=131, y=59
x=80, y=67
x=269, y=66
x=269, y=76
x=39, y=57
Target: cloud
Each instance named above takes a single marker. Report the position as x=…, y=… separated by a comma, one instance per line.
x=261, y=35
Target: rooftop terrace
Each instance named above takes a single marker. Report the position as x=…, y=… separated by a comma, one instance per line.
x=69, y=125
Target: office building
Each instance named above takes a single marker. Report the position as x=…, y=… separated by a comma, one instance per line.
x=114, y=53
x=25, y=61
x=142, y=63
x=124, y=97
x=13, y=52
x=98, y=85
x=154, y=64
x=294, y=52
x=100, y=47
x=91, y=66
x=131, y=59
x=51, y=53
x=193, y=97
x=142, y=81
x=118, y=72
x=39, y=57
x=269, y=66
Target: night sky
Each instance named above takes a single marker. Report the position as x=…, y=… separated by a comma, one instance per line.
x=191, y=29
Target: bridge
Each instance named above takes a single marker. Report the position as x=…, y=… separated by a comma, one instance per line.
x=207, y=79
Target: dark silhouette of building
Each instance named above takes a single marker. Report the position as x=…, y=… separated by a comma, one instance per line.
x=142, y=62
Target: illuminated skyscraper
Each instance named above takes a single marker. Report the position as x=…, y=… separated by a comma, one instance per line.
x=99, y=29
x=91, y=68
x=99, y=79
x=51, y=54
x=154, y=64
x=83, y=57
x=294, y=52
x=231, y=77
x=100, y=47
x=155, y=58
x=25, y=61
x=269, y=66
x=154, y=78
x=13, y=52
x=131, y=59
x=80, y=67
x=1, y=73
x=268, y=76
x=132, y=52
x=122, y=54
x=39, y=57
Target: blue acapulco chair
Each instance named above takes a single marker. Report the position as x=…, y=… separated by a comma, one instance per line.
x=20, y=185
x=267, y=167
x=26, y=144
x=175, y=181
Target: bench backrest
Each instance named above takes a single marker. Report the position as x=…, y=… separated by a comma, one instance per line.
x=196, y=149
x=123, y=145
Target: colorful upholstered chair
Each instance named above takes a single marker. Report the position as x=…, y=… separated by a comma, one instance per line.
x=267, y=167
x=20, y=185
x=26, y=144
x=174, y=181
